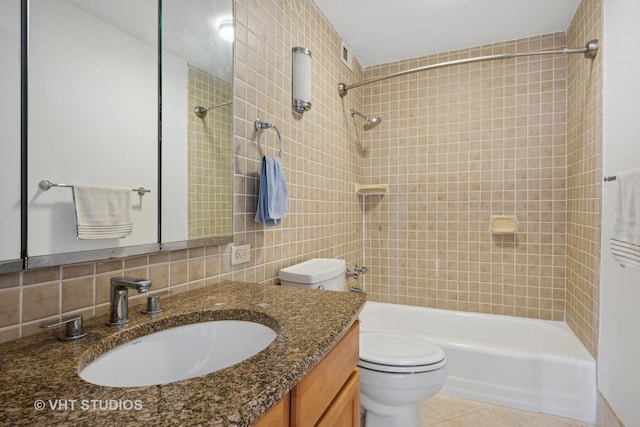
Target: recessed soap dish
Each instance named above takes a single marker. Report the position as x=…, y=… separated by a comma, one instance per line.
x=371, y=189
x=503, y=224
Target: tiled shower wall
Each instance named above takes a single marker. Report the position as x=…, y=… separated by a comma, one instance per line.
x=584, y=176
x=209, y=156
x=458, y=145
x=321, y=161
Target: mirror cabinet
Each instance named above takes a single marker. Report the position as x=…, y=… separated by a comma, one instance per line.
x=101, y=99
x=10, y=125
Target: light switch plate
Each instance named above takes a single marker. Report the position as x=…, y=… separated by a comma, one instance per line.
x=240, y=254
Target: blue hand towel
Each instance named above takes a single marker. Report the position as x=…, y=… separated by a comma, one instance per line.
x=272, y=199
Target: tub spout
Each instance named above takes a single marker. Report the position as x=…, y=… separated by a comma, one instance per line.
x=355, y=290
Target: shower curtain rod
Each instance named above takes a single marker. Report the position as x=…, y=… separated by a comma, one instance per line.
x=590, y=50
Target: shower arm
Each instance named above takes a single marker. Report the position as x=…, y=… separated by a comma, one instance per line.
x=201, y=111
x=360, y=114
x=590, y=51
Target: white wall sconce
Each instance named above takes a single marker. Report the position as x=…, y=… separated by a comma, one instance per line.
x=301, y=79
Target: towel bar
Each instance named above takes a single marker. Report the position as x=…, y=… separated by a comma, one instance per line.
x=45, y=185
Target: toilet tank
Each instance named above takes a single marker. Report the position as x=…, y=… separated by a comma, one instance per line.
x=316, y=273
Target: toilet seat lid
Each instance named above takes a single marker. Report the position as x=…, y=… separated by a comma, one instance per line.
x=398, y=349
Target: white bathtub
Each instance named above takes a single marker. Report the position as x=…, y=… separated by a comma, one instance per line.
x=528, y=364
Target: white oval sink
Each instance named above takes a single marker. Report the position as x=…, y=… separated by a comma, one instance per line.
x=179, y=353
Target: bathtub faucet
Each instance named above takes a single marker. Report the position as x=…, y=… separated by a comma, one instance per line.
x=356, y=272
x=360, y=270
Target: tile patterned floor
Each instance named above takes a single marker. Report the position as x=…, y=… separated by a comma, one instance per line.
x=448, y=411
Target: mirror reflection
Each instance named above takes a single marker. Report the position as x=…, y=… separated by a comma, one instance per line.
x=93, y=116
x=10, y=134
x=197, y=119
x=92, y=119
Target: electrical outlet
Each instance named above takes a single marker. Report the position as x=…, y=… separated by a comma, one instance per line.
x=240, y=254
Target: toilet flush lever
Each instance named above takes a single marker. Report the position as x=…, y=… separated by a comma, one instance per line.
x=73, y=328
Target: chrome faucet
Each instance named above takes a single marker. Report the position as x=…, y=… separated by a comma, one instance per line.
x=356, y=272
x=350, y=273
x=360, y=270
x=119, y=306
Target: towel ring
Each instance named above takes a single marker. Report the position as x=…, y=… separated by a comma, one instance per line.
x=260, y=126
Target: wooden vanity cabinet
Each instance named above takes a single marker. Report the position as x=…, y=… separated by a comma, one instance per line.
x=278, y=416
x=329, y=396
x=345, y=408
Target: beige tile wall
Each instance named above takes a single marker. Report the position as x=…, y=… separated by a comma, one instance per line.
x=210, y=157
x=457, y=145
x=321, y=161
x=584, y=177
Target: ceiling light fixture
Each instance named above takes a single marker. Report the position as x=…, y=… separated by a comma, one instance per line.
x=226, y=30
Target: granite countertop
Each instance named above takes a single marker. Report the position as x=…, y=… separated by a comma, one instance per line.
x=39, y=382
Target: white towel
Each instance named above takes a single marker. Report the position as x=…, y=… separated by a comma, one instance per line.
x=625, y=238
x=102, y=212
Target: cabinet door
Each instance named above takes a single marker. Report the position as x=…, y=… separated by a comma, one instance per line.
x=345, y=408
x=92, y=120
x=10, y=211
x=315, y=393
x=278, y=416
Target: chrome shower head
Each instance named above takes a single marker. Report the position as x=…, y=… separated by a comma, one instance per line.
x=371, y=122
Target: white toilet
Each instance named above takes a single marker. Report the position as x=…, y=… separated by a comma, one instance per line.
x=397, y=370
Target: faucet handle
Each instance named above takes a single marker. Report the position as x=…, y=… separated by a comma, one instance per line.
x=153, y=303
x=73, y=328
x=362, y=269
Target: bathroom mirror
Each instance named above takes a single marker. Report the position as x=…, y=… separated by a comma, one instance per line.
x=94, y=114
x=197, y=145
x=92, y=120
x=10, y=211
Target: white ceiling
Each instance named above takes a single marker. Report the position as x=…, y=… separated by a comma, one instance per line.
x=382, y=31
x=189, y=29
